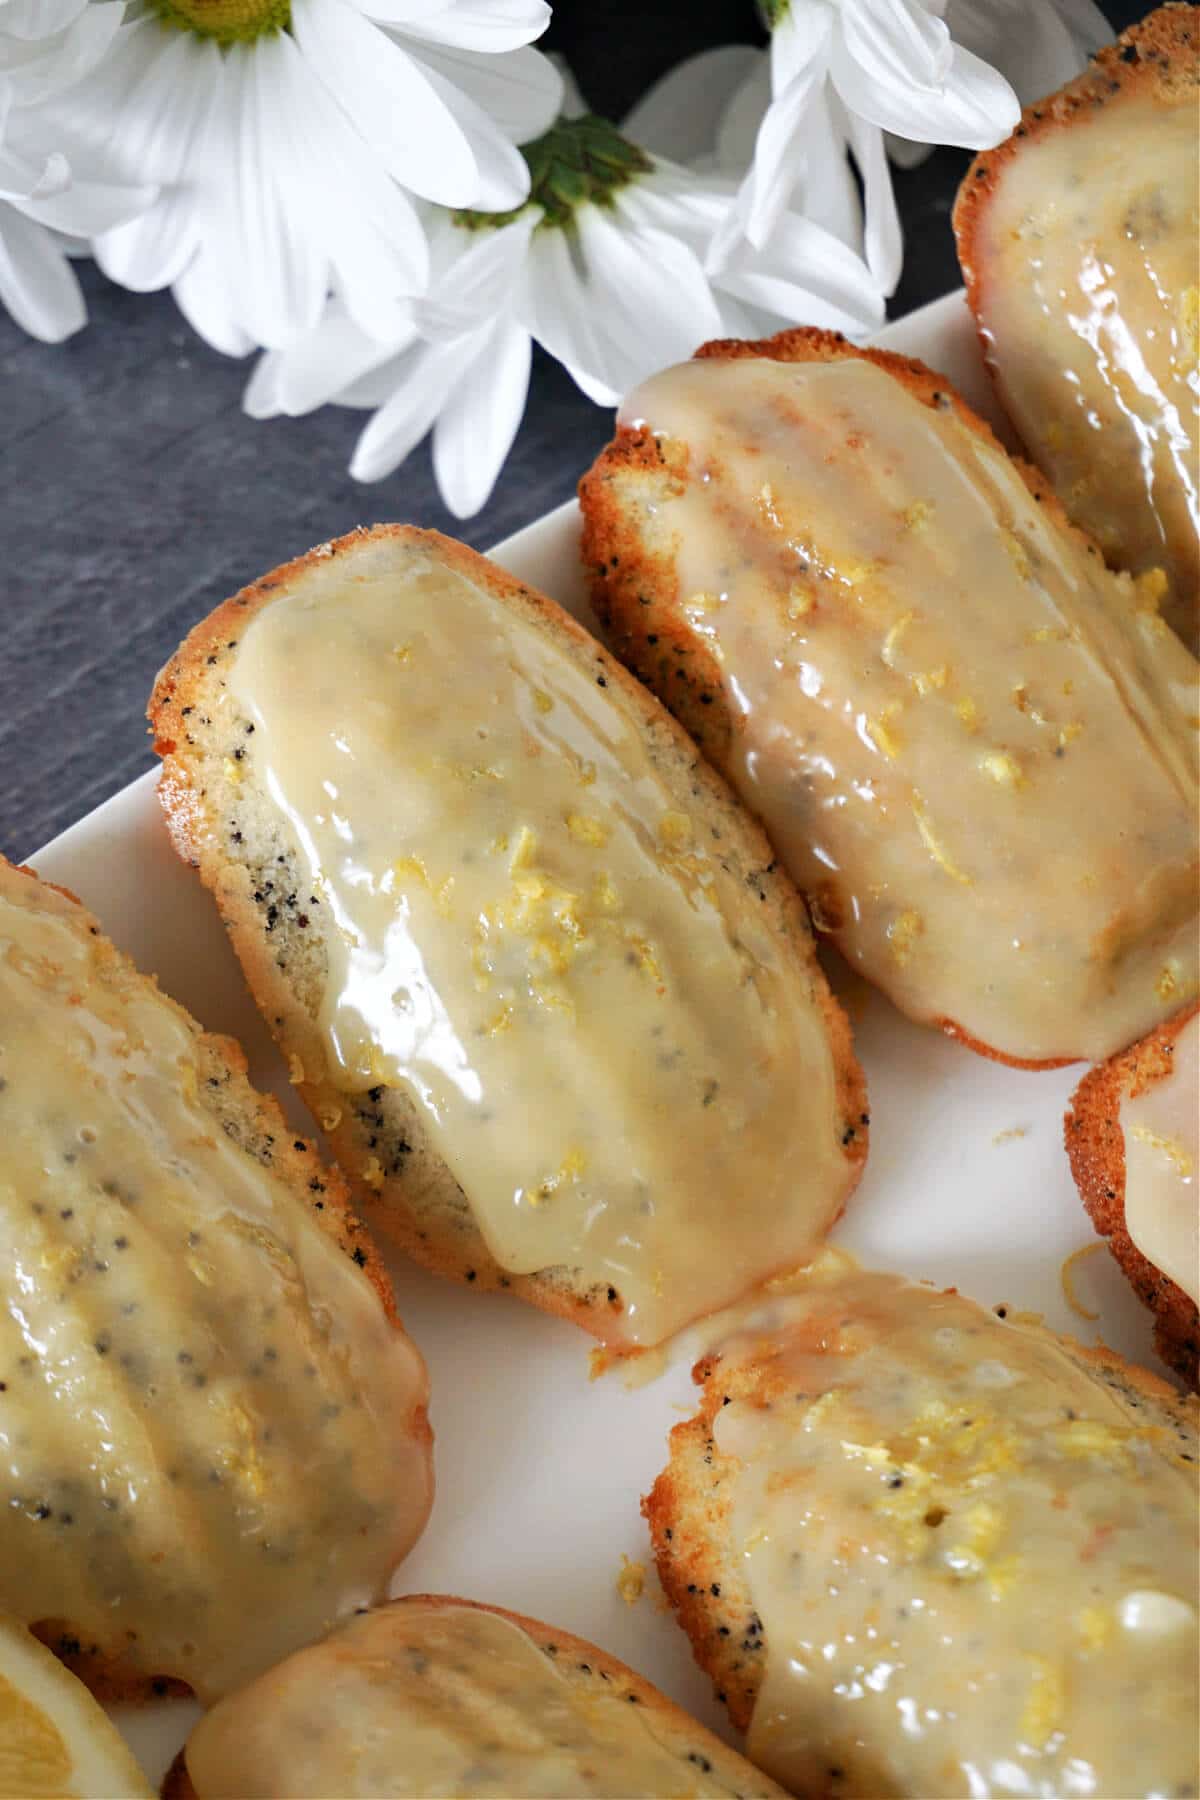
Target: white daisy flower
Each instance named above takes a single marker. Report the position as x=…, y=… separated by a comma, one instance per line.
x=841, y=74
x=287, y=138
x=41, y=209
x=604, y=267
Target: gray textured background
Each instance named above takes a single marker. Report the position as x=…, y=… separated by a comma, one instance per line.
x=134, y=494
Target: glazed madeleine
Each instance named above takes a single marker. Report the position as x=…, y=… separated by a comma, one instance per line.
x=214, y=1429
x=534, y=969
x=1079, y=239
x=435, y=1695
x=1133, y=1137
x=973, y=747
x=926, y=1551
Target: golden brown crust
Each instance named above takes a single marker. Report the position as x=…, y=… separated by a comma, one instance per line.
x=462, y=1254
x=1096, y=1148
x=580, y=1660
x=688, y=1511
x=635, y=590
x=260, y=1129
x=960, y=1036
x=1157, y=57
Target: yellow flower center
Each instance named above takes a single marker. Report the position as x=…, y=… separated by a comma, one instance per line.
x=226, y=21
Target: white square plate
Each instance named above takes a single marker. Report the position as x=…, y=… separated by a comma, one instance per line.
x=539, y=1470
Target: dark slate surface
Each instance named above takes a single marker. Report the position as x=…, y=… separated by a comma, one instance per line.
x=134, y=494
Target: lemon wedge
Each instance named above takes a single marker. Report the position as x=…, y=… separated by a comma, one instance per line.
x=55, y=1742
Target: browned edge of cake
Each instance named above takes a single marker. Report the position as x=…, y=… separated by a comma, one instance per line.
x=1095, y=1145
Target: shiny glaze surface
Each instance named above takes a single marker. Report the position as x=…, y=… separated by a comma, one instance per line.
x=415, y=1700
x=206, y=1418
x=973, y=747
x=973, y=1560
x=540, y=947
x=1161, y=1127
x=1089, y=260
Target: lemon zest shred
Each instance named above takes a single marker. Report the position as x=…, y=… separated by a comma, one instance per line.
x=631, y=1582
x=1066, y=1276
x=939, y=854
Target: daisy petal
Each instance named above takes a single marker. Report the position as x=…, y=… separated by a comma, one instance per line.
x=37, y=283
x=375, y=386
x=315, y=369
x=550, y=303
x=1038, y=47
x=828, y=193
x=31, y=19
x=777, y=149
x=677, y=116
x=262, y=396
x=86, y=208
x=23, y=179
x=151, y=251
x=486, y=266
x=206, y=301
x=895, y=41
x=738, y=126
x=476, y=427
x=896, y=65
x=164, y=132
x=675, y=201
x=430, y=372
x=808, y=277
x=42, y=69
x=104, y=119
x=487, y=25
x=978, y=107
x=388, y=95
x=377, y=250
x=520, y=94
x=403, y=15
x=502, y=174
x=904, y=152
x=741, y=321
x=798, y=41
x=280, y=165
x=728, y=242
x=572, y=104
x=1087, y=22
x=263, y=216
x=651, y=302
x=596, y=391
x=883, y=240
